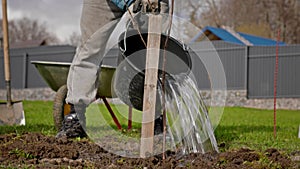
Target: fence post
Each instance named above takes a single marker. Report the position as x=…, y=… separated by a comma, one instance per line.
x=247, y=70
x=299, y=132
x=25, y=70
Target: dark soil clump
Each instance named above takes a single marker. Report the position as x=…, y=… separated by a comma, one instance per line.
x=36, y=150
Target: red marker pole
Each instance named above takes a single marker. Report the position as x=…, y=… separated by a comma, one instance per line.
x=275, y=81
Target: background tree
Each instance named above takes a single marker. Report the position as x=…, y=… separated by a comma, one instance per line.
x=258, y=17
x=27, y=29
x=74, y=39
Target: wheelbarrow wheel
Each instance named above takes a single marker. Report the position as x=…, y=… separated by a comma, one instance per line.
x=60, y=108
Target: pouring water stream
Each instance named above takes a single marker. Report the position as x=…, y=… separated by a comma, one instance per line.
x=188, y=125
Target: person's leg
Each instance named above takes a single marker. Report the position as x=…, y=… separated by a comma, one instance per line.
x=84, y=70
x=97, y=22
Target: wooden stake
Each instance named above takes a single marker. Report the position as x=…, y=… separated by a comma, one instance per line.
x=275, y=82
x=150, y=86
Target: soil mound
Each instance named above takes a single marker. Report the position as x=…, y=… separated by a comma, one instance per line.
x=39, y=151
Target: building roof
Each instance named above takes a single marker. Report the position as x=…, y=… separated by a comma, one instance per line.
x=229, y=35
x=28, y=43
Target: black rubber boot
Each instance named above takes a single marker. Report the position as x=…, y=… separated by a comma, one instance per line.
x=158, y=125
x=73, y=124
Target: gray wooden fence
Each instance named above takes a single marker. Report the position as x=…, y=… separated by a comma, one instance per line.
x=261, y=67
x=233, y=60
x=246, y=68
x=23, y=73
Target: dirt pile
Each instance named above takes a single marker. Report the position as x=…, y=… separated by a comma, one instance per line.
x=40, y=151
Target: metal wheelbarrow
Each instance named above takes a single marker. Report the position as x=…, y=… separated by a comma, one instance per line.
x=130, y=75
x=55, y=74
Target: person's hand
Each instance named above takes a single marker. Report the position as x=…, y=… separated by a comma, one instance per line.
x=137, y=6
x=144, y=6
x=150, y=6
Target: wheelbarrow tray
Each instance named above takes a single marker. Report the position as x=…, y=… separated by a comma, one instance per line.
x=55, y=74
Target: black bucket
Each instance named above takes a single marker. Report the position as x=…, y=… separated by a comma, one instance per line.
x=130, y=74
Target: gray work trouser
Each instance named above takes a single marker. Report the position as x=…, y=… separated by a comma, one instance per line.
x=98, y=19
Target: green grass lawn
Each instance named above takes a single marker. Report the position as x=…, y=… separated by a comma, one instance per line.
x=38, y=116
x=253, y=128
x=239, y=127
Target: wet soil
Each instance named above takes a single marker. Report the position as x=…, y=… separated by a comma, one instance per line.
x=35, y=150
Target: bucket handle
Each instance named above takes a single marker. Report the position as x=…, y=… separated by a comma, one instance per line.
x=125, y=35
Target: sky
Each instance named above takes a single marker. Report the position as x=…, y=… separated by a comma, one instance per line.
x=61, y=16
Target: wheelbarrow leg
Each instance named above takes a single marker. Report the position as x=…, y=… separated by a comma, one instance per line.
x=112, y=113
x=129, y=118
